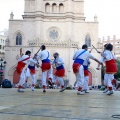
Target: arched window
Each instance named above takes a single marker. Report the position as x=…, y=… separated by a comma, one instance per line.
x=54, y=7
x=61, y=7
x=47, y=7
x=88, y=40
x=18, y=39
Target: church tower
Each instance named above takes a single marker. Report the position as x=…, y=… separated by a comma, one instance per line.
x=58, y=24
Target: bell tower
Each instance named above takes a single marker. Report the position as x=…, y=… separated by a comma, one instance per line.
x=55, y=9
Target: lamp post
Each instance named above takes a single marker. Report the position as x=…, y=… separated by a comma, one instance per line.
x=2, y=68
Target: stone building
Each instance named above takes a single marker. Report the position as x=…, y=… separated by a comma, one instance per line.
x=61, y=26
x=2, y=45
x=115, y=42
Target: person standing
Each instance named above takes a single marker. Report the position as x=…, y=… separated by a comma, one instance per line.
x=31, y=72
x=79, y=57
x=86, y=64
x=44, y=56
x=59, y=71
x=22, y=62
x=111, y=68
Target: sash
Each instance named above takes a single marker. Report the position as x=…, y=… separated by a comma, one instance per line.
x=46, y=60
x=21, y=65
x=77, y=60
x=46, y=64
x=80, y=54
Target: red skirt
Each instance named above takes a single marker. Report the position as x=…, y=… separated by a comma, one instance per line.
x=76, y=67
x=32, y=71
x=20, y=66
x=45, y=66
x=111, y=67
x=60, y=73
x=86, y=73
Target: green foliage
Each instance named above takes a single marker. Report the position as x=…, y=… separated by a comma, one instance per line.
x=117, y=75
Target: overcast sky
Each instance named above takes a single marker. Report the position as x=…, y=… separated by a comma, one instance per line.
x=107, y=11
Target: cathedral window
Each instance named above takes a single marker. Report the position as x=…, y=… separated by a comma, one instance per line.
x=88, y=40
x=54, y=7
x=61, y=7
x=19, y=39
x=47, y=7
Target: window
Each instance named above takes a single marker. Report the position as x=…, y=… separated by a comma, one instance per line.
x=61, y=8
x=88, y=40
x=47, y=7
x=19, y=39
x=54, y=7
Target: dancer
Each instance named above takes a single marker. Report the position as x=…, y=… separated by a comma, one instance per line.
x=22, y=62
x=79, y=57
x=60, y=71
x=44, y=56
x=111, y=68
x=31, y=72
x=86, y=64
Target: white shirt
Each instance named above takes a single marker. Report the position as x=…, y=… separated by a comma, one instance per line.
x=86, y=62
x=58, y=62
x=108, y=55
x=42, y=55
x=31, y=63
x=26, y=61
x=84, y=56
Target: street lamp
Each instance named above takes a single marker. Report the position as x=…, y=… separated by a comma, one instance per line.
x=2, y=68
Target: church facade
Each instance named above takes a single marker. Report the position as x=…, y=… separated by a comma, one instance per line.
x=58, y=24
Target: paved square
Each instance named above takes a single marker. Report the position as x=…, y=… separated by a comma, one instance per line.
x=54, y=105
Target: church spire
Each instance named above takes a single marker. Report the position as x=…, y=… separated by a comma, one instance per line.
x=11, y=16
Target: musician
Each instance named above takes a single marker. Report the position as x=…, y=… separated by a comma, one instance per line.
x=22, y=62
x=79, y=57
x=60, y=71
x=44, y=56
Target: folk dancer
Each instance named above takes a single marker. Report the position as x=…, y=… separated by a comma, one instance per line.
x=22, y=61
x=85, y=88
x=79, y=57
x=86, y=63
x=44, y=56
x=59, y=71
x=31, y=72
x=102, y=60
x=111, y=68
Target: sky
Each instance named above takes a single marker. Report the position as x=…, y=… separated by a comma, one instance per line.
x=107, y=11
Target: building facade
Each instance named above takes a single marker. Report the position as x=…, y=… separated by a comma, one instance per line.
x=116, y=44
x=61, y=26
x=2, y=45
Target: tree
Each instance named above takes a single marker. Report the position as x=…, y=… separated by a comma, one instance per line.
x=117, y=75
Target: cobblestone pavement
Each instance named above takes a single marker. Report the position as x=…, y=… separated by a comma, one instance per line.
x=54, y=105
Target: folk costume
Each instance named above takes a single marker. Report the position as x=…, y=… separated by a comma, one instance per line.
x=22, y=62
x=44, y=56
x=111, y=69
x=79, y=57
x=31, y=72
x=86, y=75
x=59, y=72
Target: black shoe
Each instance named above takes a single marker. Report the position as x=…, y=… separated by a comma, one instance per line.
x=49, y=82
x=44, y=91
